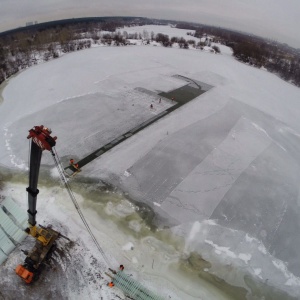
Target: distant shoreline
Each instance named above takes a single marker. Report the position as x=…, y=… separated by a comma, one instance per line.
x=45, y=25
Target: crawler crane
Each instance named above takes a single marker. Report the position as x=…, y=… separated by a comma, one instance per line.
x=29, y=271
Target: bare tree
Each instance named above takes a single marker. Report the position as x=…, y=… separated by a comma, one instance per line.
x=152, y=35
x=145, y=34
x=216, y=48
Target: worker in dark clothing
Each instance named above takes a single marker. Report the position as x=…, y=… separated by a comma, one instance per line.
x=121, y=267
x=151, y=106
x=71, y=161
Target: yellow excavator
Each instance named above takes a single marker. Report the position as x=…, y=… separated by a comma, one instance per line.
x=29, y=271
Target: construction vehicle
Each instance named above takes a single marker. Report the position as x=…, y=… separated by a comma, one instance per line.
x=29, y=271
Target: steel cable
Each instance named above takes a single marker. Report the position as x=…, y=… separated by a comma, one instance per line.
x=71, y=194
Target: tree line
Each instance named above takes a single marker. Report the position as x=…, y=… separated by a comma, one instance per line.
x=24, y=47
x=256, y=51
x=20, y=49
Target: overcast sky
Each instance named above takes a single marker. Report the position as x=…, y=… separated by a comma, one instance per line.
x=275, y=19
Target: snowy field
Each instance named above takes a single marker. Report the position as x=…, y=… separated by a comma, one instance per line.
x=147, y=30
x=220, y=173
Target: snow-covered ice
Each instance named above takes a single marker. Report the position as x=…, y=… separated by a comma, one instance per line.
x=221, y=171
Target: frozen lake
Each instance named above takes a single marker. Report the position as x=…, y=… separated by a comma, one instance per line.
x=221, y=171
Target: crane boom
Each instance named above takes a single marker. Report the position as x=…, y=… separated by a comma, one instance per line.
x=41, y=140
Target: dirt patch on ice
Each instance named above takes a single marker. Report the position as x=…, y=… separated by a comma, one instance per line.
x=196, y=265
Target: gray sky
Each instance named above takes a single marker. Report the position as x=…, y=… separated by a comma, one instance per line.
x=275, y=19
